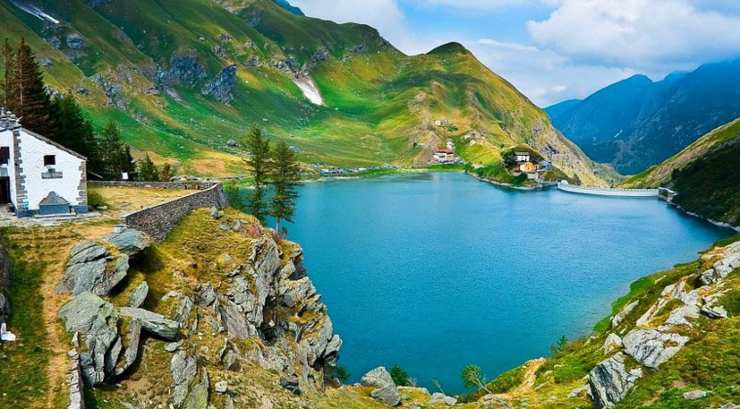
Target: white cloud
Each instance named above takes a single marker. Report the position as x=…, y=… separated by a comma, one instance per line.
x=543, y=75
x=646, y=34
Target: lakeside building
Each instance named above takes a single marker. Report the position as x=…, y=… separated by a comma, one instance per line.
x=39, y=176
x=521, y=156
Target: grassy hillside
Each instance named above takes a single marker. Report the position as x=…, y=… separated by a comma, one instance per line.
x=704, y=174
x=149, y=65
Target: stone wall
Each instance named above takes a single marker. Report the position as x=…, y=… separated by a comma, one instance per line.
x=158, y=220
x=194, y=185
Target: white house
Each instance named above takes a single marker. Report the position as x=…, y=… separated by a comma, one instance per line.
x=39, y=176
x=521, y=156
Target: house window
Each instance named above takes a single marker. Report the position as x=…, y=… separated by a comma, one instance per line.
x=4, y=155
x=50, y=160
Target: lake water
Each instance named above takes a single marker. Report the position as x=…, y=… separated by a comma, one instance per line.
x=435, y=271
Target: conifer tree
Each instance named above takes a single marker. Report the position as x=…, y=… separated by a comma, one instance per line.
x=32, y=103
x=147, y=171
x=74, y=131
x=285, y=175
x=166, y=173
x=9, y=68
x=258, y=148
x=115, y=157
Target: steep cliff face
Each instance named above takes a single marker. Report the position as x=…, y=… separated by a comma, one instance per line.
x=220, y=313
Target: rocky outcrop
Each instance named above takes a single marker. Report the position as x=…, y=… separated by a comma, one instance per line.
x=610, y=381
x=724, y=266
x=92, y=266
x=154, y=323
x=222, y=85
x=621, y=315
x=184, y=69
x=385, y=390
x=138, y=296
x=651, y=347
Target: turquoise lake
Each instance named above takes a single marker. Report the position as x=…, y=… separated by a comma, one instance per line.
x=435, y=271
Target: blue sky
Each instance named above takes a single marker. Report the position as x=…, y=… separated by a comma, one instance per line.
x=556, y=49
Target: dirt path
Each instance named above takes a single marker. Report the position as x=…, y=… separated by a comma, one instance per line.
x=528, y=380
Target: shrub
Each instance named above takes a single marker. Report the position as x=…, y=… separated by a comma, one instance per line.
x=400, y=376
x=95, y=199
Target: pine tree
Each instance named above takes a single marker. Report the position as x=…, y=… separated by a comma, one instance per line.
x=75, y=132
x=9, y=74
x=285, y=175
x=115, y=157
x=258, y=148
x=166, y=173
x=32, y=103
x=147, y=171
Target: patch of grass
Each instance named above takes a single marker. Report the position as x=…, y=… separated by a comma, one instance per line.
x=23, y=369
x=507, y=380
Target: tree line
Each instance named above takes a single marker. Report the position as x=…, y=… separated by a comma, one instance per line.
x=60, y=118
x=276, y=168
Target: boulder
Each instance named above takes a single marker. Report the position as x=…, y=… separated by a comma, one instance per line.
x=80, y=312
x=291, y=383
x=234, y=320
x=651, y=347
x=714, y=312
x=88, y=270
x=129, y=241
x=205, y=295
x=612, y=343
x=183, y=368
x=222, y=386
x=133, y=337
x=695, y=395
x=154, y=323
x=680, y=315
x=621, y=315
x=441, y=398
x=388, y=394
x=609, y=381
x=138, y=296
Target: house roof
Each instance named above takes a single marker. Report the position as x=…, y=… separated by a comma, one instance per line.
x=521, y=153
x=56, y=145
x=447, y=151
x=53, y=199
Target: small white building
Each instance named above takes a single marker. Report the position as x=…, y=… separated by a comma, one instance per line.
x=444, y=156
x=521, y=156
x=37, y=175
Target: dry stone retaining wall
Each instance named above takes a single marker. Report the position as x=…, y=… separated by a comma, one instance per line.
x=158, y=220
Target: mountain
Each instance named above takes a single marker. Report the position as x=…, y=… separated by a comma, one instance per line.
x=704, y=174
x=186, y=79
x=636, y=122
x=289, y=7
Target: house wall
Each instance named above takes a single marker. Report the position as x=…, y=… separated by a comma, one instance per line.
x=70, y=186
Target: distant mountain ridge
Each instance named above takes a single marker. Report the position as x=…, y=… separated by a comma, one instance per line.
x=637, y=122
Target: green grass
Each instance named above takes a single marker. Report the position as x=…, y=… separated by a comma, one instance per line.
x=23, y=369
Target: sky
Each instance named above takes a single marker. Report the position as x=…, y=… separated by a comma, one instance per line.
x=553, y=50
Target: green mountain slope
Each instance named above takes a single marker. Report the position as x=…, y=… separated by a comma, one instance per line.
x=184, y=78
x=635, y=123
x=704, y=174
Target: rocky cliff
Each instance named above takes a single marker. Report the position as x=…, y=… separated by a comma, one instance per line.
x=197, y=320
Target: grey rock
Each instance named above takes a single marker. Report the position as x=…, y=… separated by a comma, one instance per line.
x=291, y=383
x=623, y=313
x=695, y=395
x=133, y=338
x=4, y=285
x=680, y=315
x=75, y=41
x=729, y=405
x=129, y=241
x=651, y=347
x=231, y=143
x=80, y=312
x=183, y=310
x=184, y=69
x=222, y=86
x=441, y=398
x=172, y=346
x=183, y=369
x=612, y=343
x=216, y=213
x=87, y=270
x=714, y=312
x=388, y=394
x=205, y=295
x=609, y=381
x=234, y=320
x=75, y=382
x=138, y=296
x=221, y=386
x=154, y=323
x=378, y=377
x=229, y=355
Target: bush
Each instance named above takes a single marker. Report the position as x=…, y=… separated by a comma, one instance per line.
x=339, y=373
x=95, y=199
x=400, y=376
